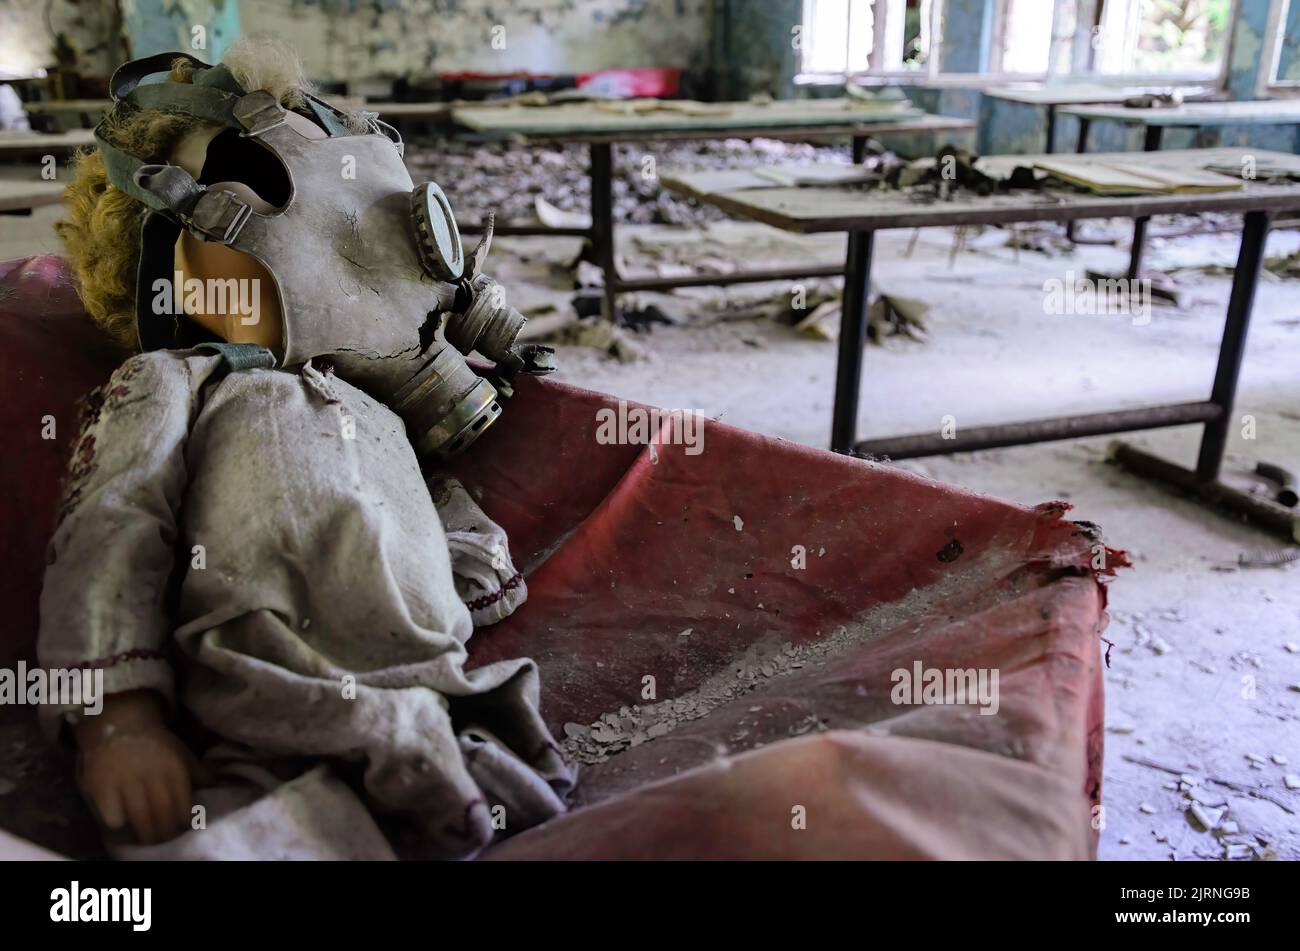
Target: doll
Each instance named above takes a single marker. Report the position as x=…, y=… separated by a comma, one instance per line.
x=247, y=543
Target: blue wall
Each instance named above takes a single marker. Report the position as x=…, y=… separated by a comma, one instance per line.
x=967, y=35
x=751, y=50
x=1249, y=53
x=1289, y=66
x=1008, y=128
x=1249, y=57
x=162, y=26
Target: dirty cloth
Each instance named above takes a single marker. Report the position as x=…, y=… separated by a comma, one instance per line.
x=647, y=561
x=311, y=817
x=274, y=526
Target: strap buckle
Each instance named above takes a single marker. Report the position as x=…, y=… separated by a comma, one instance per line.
x=218, y=217
x=258, y=112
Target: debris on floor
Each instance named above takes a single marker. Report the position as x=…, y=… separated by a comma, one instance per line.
x=552, y=184
x=599, y=334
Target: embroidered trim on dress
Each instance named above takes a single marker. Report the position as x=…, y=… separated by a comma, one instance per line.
x=488, y=600
x=139, y=653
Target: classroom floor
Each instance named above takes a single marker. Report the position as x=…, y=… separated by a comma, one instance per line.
x=1203, y=688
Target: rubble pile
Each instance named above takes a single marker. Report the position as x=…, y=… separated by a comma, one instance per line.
x=508, y=178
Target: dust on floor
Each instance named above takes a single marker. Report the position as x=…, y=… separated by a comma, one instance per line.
x=1203, y=692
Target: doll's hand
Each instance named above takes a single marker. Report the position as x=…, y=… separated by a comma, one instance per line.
x=134, y=769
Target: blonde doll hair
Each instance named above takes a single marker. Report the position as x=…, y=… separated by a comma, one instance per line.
x=101, y=230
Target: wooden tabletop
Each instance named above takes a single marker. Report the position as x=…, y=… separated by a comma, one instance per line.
x=822, y=208
x=18, y=143
x=1066, y=94
x=584, y=122
x=1254, y=112
x=16, y=196
x=409, y=110
x=68, y=105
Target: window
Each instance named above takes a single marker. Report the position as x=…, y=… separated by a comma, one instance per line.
x=1024, y=37
x=1117, y=39
x=1178, y=40
x=1283, y=75
x=848, y=37
x=1173, y=37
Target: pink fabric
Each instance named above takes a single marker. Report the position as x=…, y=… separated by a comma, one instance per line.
x=625, y=549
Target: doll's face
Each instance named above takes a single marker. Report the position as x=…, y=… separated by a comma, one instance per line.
x=225, y=161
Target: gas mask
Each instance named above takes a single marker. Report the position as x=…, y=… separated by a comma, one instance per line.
x=369, y=268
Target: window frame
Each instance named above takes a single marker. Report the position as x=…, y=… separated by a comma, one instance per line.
x=998, y=45
x=873, y=77
x=1217, y=78
x=933, y=70
x=1267, y=85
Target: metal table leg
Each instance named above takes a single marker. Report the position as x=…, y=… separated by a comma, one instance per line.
x=602, y=222
x=1233, y=347
x=1152, y=144
x=1051, y=129
x=853, y=338
x=1080, y=146
x=1203, y=482
x=1215, y=413
x=859, y=149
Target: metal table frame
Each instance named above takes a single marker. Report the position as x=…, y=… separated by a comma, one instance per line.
x=1214, y=413
x=601, y=232
x=1152, y=144
x=1152, y=141
x=1079, y=99
x=28, y=196
x=22, y=145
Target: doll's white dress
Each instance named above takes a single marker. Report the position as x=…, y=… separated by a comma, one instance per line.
x=261, y=547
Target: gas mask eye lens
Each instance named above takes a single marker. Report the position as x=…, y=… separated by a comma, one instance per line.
x=436, y=233
x=233, y=158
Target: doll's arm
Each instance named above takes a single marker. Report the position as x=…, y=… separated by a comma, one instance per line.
x=109, y=565
x=485, y=576
x=134, y=769
x=111, y=557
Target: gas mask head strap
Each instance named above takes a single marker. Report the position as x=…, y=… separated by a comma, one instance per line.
x=213, y=96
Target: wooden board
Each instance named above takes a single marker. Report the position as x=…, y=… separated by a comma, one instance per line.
x=18, y=196
x=826, y=173
x=17, y=143
x=577, y=120
x=69, y=105
x=964, y=81
x=1073, y=93
x=1134, y=178
x=410, y=110
x=812, y=210
x=1259, y=112
x=770, y=176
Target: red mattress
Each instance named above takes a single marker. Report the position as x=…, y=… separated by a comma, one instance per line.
x=683, y=568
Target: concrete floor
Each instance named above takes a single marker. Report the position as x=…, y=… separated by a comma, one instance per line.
x=1193, y=634
x=1205, y=672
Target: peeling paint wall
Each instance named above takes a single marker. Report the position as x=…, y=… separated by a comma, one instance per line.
x=1289, y=60
x=203, y=28
x=1246, y=52
x=1008, y=128
x=27, y=29
x=349, y=39
x=967, y=36
x=755, y=47
x=747, y=46
x=958, y=102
